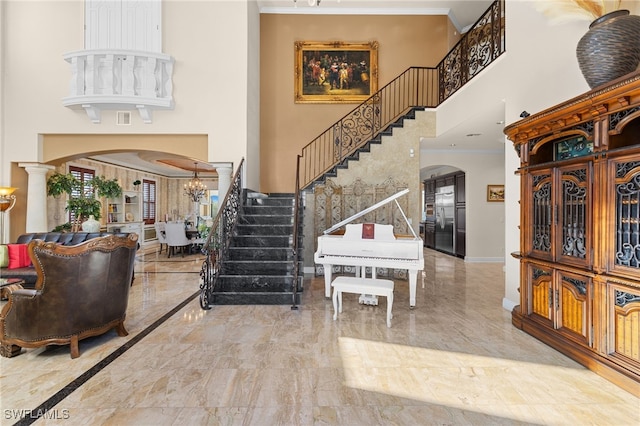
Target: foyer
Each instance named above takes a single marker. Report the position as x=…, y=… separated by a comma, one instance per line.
x=453, y=360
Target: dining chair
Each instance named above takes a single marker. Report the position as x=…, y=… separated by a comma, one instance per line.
x=176, y=237
x=161, y=235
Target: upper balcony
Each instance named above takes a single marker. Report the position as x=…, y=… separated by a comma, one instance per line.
x=111, y=79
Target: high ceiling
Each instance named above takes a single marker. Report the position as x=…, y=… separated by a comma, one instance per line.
x=463, y=13
x=480, y=132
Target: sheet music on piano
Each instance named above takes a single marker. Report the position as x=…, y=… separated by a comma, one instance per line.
x=384, y=250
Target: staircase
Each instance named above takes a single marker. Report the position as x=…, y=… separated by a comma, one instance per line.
x=376, y=140
x=258, y=268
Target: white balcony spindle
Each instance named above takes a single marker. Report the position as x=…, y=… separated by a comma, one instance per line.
x=128, y=81
x=120, y=79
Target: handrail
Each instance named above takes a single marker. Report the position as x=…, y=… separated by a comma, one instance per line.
x=296, y=209
x=219, y=238
x=415, y=88
x=474, y=52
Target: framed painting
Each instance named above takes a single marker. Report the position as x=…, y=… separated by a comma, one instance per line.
x=495, y=192
x=335, y=72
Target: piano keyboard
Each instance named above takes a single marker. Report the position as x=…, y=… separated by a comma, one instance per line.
x=368, y=261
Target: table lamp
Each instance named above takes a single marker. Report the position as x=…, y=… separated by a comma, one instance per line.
x=7, y=201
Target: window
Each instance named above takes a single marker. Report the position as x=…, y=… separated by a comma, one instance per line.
x=84, y=176
x=148, y=201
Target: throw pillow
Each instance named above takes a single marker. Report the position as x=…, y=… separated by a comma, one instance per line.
x=18, y=256
x=4, y=256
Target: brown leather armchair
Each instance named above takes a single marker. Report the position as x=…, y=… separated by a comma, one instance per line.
x=81, y=291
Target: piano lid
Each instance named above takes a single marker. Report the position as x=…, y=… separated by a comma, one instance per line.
x=354, y=231
x=372, y=208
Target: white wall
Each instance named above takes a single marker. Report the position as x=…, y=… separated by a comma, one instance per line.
x=484, y=220
x=210, y=76
x=211, y=42
x=253, y=99
x=543, y=71
x=538, y=70
x=4, y=173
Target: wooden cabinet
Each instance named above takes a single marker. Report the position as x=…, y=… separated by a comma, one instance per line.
x=558, y=225
x=559, y=300
x=124, y=214
x=580, y=229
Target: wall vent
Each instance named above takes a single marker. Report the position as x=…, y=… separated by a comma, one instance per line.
x=123, y=118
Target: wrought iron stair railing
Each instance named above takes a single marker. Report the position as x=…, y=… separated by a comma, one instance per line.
x=219, y=238
x=415, y=88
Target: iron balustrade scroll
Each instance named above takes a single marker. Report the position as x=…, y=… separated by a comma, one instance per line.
x=542, y=215
x=574, y=213
x=219, y=239
x=415, y=88
x=628, y=214
x=480, y=46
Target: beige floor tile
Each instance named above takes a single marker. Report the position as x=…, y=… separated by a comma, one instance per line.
x=453, y=360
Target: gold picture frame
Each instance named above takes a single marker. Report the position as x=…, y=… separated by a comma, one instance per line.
x=495, y=192
x=335, y=72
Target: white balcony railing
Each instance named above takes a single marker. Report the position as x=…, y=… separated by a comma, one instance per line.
x=116, y=79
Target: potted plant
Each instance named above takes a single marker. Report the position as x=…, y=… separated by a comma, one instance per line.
x=88, y=205
x=61, y=183
x=108, y=188
x=84, y=207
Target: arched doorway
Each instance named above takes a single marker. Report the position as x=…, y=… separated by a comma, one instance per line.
x=166, y=160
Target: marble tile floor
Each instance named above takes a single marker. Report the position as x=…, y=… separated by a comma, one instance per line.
x=453, y=360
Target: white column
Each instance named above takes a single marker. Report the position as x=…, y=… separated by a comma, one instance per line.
x=224, y=181
x=36, y=196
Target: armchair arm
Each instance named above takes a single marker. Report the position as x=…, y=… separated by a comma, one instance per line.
x=23, y=292
x=12, y=294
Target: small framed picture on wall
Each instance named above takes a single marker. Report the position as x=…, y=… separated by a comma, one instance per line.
x=495, y=192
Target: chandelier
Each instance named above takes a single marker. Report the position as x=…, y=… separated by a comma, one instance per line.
x=195, y=189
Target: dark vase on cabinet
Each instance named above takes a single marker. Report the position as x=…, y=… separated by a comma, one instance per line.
x=580, y=229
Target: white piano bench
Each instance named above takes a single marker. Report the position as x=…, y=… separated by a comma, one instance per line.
x=359, y=285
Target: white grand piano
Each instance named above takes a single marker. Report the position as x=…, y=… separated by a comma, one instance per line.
x=371, y=245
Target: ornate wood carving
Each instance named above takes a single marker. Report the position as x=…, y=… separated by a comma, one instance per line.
x=580, y=228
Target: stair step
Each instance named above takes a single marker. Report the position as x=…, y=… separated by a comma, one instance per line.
x=257, y=267
x=265, y=219
x=267, y=210
x=366, y=147
x=254, y=229
x=256, y=283
x=280, y=201
x=232, y=298
x=260, y=253
x=261, y=241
